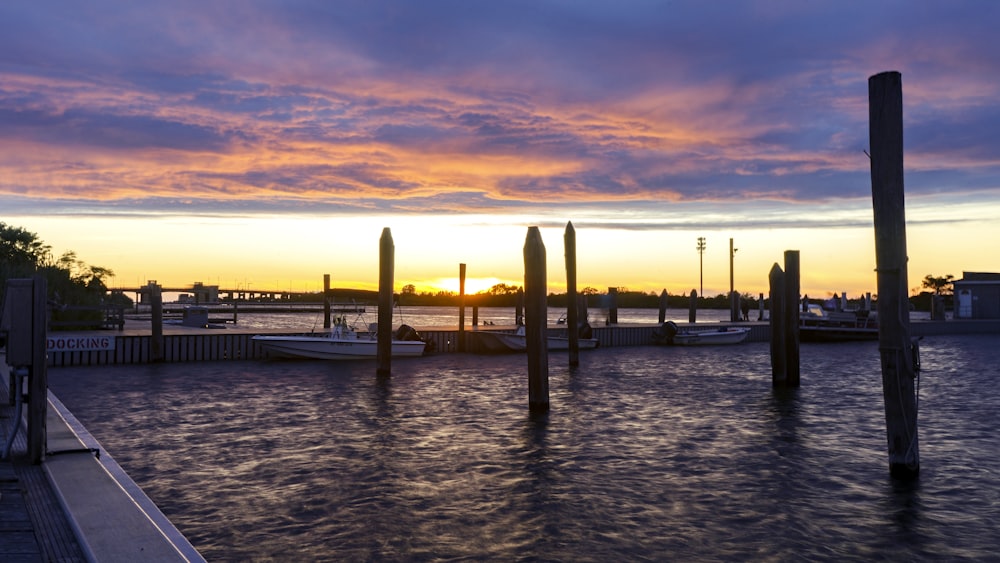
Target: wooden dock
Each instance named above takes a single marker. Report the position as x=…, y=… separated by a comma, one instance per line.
x=187, y=344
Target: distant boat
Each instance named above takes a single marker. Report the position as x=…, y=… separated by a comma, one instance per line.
x=495, y=342
x=342, y=343
x=670, y=333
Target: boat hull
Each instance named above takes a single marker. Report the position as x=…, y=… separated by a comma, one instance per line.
x=506, y=342
x=732, y=335
x=326, y=348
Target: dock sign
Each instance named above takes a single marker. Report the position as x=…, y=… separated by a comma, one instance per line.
x=79, y=343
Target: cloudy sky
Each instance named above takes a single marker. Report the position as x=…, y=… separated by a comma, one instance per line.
x=266, y=143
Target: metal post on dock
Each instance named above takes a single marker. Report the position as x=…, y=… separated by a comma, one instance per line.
x=572, y=324
x=461, y=307
x=386, y=266
x=24, y=320
x=898, y=353
x=536, y=320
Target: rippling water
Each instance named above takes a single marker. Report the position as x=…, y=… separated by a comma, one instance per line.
x=647, y=454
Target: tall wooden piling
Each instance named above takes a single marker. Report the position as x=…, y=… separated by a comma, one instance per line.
x=885, y=109
x=693, y=307
x=779, y=373
x=326, y=300
x=156, y=318
x=663, y=307
x=461, y=307
x=38, y=386
x=572, y=322
x=386, y=272
x=792, y=286
x=536, y=319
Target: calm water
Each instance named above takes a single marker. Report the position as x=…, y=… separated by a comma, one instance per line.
x=647, y=454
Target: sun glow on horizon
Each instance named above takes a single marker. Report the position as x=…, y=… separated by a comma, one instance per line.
x=472, y=285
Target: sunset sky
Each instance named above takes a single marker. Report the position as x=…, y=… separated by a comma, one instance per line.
x=263, y=144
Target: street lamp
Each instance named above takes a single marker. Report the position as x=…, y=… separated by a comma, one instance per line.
x=701, y=266
x=734, y=308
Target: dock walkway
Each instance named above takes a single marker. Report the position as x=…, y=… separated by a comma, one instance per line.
x=33, y=524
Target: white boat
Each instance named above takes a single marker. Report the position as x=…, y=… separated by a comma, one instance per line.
x=499, y=342
x=669, y=333
x=342, y=343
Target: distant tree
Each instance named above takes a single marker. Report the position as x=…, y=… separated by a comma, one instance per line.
x=409, y=289
x=940, y=285
x=589, y=291
x=502, y=289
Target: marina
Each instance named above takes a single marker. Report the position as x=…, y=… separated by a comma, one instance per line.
x=647, y=453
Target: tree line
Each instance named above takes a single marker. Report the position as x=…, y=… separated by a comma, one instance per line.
x=73, y=285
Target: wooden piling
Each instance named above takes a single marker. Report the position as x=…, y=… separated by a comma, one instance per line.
x=461, y=307
x=663, y=307
x=760, y=307
x=776, y=279
x=693, y=307
x=572, y=322
x=38, y=386
x=791, y=327
x=156, y=318
x=475, y=315
x=885, y=99
x=612, y=305
x=386, y=271
x=536, y=319
x=326, y=300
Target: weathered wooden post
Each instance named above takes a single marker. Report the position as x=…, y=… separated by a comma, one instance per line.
x=572, y=323
x=885, y=109
x=776, y=279
x=536, y=317
x=156, y=317
x=612, y=305
x=326, y=300
x=461, y=307
x=386, y=271
x=734, y=304
x=693, y=307
x=475, y=315
x=663, y=306
x=760, y=307
x=792, y=286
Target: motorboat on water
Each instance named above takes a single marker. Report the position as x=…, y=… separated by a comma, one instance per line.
x=670, y=333
x=497, y=342
x=343, y=342
x=820, y=325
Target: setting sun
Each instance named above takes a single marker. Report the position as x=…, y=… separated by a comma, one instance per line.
x=472, y=285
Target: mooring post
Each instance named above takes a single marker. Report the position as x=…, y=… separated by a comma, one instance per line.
x=461, y=307
x=612, y=305
x=897, y=351
x=386, y=267
x=760, y=307
x=572, y=324
x=536, y=320
x=475, y=316
x=326, y=300
x=693, y=307
x=156, y=317
x=663, y=306
x=792, y=286
x=38, y=387
x=776, y=279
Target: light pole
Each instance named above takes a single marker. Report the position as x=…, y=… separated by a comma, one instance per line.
x=734, y=308
x=701, y=266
